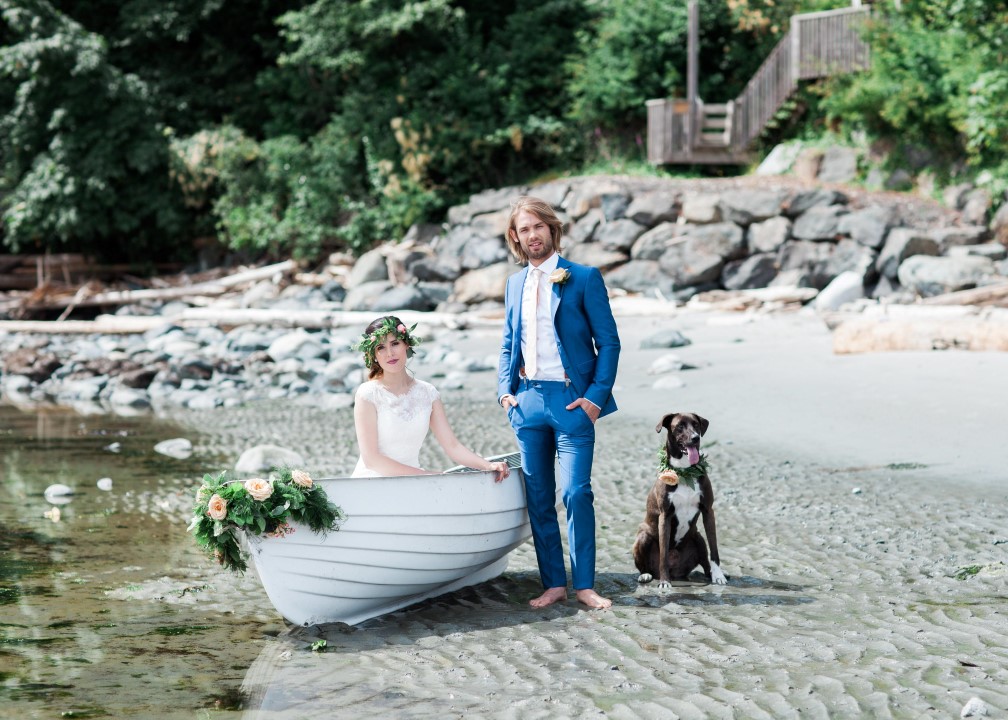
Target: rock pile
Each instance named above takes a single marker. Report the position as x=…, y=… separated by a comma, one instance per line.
x=672, y=239
x=675, y=239
x=203, y=367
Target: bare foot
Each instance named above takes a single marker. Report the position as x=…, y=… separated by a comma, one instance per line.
x=552, y=595
x=593, y=600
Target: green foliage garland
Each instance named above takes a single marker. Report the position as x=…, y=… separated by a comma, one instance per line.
x=367, y=344
x=688, y=475
x=225, y=507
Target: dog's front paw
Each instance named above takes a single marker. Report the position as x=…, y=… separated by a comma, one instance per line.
x=645, y=578
x=717, y=577
x=664, y=585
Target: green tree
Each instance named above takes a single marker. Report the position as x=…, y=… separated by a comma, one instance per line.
x=201, y=60
x=84, y=165
x=430, y=100
x=637, y=50
x=937, y=80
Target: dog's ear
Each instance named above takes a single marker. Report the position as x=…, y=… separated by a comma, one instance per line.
x=665, y=422
x=703, y=424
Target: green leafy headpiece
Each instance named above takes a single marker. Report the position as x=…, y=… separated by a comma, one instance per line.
x=368, y=342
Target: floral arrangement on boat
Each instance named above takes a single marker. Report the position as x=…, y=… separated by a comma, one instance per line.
x=260, y=507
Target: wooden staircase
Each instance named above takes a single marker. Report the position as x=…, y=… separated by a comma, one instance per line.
x=715, y=123
x=683, y=131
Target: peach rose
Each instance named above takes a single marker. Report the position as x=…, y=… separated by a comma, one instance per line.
x=559, y=276
x=669, y=477
x=259, y=488
x=300, y=477
x=217, y=507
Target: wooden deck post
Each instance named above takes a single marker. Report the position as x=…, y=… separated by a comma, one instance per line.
x=692, y=58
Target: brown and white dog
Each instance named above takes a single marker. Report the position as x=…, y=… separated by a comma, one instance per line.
x=668, y=545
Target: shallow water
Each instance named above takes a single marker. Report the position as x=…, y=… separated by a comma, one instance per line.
x=94, y=604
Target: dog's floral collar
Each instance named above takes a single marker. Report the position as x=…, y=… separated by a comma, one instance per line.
x=368, y=343
x=559, y=276
x=688, y=475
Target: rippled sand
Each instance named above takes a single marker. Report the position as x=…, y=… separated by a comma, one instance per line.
x=856, y=589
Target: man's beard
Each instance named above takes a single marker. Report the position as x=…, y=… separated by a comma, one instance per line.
x=544, y=252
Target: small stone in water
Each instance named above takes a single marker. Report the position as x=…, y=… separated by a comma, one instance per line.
x=58, y=493
x=105, y=483
x=178, y=448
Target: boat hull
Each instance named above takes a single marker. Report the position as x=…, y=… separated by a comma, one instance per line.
x=405, y=539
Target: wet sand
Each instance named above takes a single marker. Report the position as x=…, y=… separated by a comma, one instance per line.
x=862, y=523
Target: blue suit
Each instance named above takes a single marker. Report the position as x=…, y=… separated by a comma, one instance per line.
x=586, y=337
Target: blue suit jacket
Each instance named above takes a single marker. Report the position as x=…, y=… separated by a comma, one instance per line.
x=585, y=333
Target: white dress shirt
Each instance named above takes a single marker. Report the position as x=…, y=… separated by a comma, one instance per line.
x=548, y=364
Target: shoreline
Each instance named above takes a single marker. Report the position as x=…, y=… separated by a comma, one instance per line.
x=863, y=580
x=859, y=585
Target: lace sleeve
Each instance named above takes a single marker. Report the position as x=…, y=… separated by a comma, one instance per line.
x=430, y=391
x=368, y=391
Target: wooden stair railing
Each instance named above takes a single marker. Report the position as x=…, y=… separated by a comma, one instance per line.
x=817, y=45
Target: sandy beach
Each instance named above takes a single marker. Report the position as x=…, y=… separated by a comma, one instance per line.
x=862, y=523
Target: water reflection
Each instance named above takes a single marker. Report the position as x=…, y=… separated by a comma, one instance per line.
x=108, y=608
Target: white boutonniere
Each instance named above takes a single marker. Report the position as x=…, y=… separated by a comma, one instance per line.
x=559, y=276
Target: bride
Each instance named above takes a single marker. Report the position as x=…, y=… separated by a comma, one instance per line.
x=393, y=411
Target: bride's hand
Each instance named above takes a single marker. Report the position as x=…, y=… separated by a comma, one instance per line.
x=501, y=470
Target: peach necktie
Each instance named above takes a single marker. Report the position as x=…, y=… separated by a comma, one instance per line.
x=531, y=336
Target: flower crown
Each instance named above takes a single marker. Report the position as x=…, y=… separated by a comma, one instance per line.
x=367, y=343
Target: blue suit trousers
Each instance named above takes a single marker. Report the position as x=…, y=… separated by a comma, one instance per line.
x=550, y=436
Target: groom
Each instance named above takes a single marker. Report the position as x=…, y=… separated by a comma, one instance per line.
x=557, y=369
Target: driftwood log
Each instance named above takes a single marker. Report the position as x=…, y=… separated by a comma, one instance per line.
x=227, y=318
x=986, y=295
x=920, y=327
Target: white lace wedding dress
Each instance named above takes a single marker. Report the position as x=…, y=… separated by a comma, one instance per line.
x=403, y=421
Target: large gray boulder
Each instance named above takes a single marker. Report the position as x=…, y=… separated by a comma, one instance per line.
x=701, y=208
x=698, y=256
x=488, y=201
x=769, y=235
x=653, y=244
x=595, y=255
x=901, y=244
x=755, y=271
x=838, y=165
x=641, y=276
x=816, y=197
x=484, y=284
x=652, y=208
x=867, y=226
x=927, y=275
x=370, y=267
x=619, y=235
x=821, y=222
x=748, y=206
x=844, y=288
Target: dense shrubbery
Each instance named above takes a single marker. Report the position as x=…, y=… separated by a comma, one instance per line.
x=295, y=127
x=937, y=81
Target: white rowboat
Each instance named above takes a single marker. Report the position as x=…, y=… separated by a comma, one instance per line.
x=405, y=539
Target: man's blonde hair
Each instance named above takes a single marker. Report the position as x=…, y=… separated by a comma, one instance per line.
x=542, y=210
